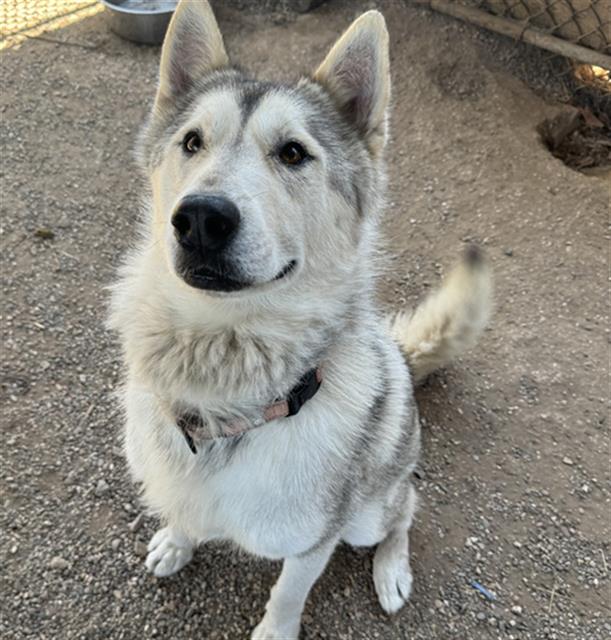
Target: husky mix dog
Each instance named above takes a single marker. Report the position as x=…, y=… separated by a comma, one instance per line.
x=269, y=402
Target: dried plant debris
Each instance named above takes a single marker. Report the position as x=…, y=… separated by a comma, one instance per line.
x=44, y=233
x=579, y=137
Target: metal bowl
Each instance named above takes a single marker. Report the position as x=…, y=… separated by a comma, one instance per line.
x=144, y=21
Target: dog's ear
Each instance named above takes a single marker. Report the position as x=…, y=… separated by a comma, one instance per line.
x=356, y=74
x=193, y=47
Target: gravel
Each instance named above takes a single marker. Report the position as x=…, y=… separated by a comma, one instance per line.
x=515, y=479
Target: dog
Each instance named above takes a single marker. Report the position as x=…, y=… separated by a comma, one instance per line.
x=269, y=402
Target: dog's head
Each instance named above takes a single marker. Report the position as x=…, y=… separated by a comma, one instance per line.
x=257, y=185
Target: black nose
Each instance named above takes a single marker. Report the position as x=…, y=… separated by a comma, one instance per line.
x=206, y=222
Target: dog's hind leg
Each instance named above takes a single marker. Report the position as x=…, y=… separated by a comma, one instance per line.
x=283, y=611
x=392, y=574
x=168, y=552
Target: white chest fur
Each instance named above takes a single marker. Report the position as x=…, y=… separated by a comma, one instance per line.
x=268, y=492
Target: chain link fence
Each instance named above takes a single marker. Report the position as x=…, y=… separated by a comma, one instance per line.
x=580, y=22
x=574, y=36
x=581, y=30
x=23, y=19
x=572, y=40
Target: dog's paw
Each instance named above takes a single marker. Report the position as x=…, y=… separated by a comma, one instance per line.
x=269, y=629
x=168, y=552
x=392, y=577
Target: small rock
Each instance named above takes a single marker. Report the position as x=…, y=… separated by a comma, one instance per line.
x=516, y=610
x=481, y=616
x=101, y=488
x=115, y=544
x=567, y=461
x=140, y=548
x=59, y=563
x=438, y=604
x=136, y=523
x=508, y=252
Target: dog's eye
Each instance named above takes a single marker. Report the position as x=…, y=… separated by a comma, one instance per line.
x=292, y=153
x=192, y=142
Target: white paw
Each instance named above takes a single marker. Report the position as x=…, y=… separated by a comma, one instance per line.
x=393, y=581
x=168, y=552
x=269, y=629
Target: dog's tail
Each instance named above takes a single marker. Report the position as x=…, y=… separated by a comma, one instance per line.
x=450, y=320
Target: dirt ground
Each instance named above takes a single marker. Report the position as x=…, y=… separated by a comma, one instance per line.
x=515, y=475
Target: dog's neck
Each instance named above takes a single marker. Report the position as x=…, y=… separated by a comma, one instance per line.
x=224, y=350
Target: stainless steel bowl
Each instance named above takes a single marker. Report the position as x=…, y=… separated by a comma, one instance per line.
x=144, y=21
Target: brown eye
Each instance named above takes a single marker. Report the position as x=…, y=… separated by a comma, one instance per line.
x=192, y=142
x=293, y=154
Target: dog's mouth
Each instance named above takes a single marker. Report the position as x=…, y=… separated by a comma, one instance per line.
x=209, y=279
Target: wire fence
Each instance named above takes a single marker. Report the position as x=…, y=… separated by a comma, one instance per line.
x=585, y=27
x=572, y=52
x=584, y=23
x=23, y=19
x=572, y=40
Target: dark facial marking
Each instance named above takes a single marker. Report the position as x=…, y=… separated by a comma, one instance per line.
x=250, y=99
x=161, y=126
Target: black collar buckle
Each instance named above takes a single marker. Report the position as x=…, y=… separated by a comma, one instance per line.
x=303, y=391
x=188, y=422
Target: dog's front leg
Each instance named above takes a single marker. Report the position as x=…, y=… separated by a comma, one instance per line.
x=283, y=610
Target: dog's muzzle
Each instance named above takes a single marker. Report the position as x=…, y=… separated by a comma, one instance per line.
x=204, y=227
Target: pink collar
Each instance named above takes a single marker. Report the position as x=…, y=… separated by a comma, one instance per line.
x=194, y=428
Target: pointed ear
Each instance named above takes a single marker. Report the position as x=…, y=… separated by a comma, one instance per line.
x=356, y=74
x=193, y=47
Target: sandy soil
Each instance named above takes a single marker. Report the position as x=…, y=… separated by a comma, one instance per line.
x=515, y=475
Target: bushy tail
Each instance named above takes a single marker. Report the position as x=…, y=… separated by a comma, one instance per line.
x=450, y=320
